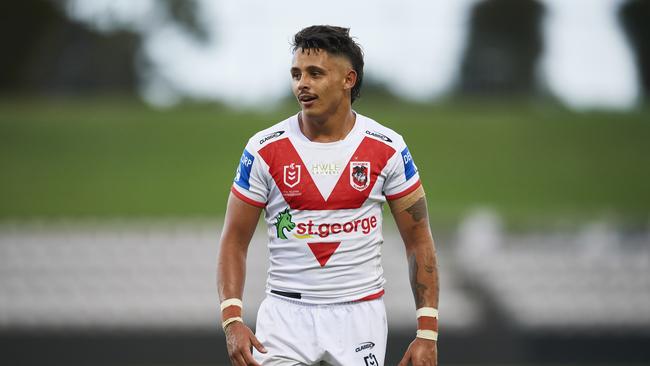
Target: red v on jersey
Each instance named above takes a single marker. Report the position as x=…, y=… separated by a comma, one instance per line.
x=304, y=195
x=323, y=251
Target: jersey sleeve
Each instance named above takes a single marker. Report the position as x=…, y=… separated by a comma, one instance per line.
x=402, y=175
x=250, y=184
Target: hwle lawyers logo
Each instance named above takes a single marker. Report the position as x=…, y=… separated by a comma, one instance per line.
x=326, y=168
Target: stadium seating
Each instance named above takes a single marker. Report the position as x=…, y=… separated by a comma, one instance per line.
x=156, y=275
x=160, y=275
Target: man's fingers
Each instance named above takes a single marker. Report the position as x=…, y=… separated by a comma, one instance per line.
x=248, y=357
x=404, y=362
x=257, y=344
x=406, y=358
x=239, y=359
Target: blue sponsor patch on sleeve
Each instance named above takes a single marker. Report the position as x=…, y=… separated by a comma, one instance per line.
x=409, y=166
x=244, y=170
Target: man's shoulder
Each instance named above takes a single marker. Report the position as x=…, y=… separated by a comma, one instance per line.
x=382, y=133
x=270, y=134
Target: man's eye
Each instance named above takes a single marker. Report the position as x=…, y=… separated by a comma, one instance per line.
x=295, y=76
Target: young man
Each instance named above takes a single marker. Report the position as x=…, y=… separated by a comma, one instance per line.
x=321, y=177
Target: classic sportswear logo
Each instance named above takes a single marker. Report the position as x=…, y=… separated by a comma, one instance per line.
x=379, y=136
x=273, y=135
x=282, y=222
x=364, y=346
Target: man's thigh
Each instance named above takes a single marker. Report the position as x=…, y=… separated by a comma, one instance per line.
x=287, y=331
x=332, y=335
x=355, y=334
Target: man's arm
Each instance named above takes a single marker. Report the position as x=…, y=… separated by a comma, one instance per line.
x=239, y=226
x=412, y=220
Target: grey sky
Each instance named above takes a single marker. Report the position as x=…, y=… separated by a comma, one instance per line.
x=586, y=63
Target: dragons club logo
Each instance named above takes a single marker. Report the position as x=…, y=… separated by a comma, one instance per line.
x=359, y=174
x=283, y=222
x=291, y=175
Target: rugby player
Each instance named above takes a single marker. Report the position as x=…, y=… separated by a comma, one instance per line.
x=321, y=177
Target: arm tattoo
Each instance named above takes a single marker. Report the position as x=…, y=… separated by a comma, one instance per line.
x=418, y=210
x=429, y=263
x=418, y=288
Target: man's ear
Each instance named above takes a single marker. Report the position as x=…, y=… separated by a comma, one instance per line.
x=350, y=80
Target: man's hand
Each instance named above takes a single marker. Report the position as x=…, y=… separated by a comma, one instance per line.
x=240, y=339
x=421, y=352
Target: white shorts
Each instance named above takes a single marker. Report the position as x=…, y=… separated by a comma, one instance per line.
x=294, y=333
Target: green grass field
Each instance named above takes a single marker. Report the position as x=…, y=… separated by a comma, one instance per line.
x=536, y=164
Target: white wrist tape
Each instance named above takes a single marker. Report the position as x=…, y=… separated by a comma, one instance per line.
x=427, y=334
x=230, y=302
x=431, y=312
x=231, y=320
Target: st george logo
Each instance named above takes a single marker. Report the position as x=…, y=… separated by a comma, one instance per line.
x=371, y=360
x=291, y=175
x=282, y=222
x=360, y=175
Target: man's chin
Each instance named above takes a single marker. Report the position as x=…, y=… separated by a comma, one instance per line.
x=310, y=112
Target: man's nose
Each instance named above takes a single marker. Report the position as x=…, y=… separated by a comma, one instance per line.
x=303, y=83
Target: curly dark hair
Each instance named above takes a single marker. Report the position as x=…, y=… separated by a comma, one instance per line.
x=336, y=41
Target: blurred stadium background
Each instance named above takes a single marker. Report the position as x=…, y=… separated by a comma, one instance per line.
x=121, y=124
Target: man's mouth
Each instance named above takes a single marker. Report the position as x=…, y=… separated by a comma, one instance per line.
x=306, y=98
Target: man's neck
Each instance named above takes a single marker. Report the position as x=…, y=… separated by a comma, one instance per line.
x=332, y=129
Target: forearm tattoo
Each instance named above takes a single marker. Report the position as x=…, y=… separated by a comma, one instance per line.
x=418, y=210
x=418, y=288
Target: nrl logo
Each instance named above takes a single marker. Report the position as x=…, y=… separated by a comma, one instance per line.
x=282, y=222
x=359, y=178
x=291, y=175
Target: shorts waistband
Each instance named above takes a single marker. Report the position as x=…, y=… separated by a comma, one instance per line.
x=291, y=295
x=294, y=298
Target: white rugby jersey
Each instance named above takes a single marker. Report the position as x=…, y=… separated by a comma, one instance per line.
x=323, y=206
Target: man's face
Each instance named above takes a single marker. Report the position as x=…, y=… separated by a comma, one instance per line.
x=320, y=81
